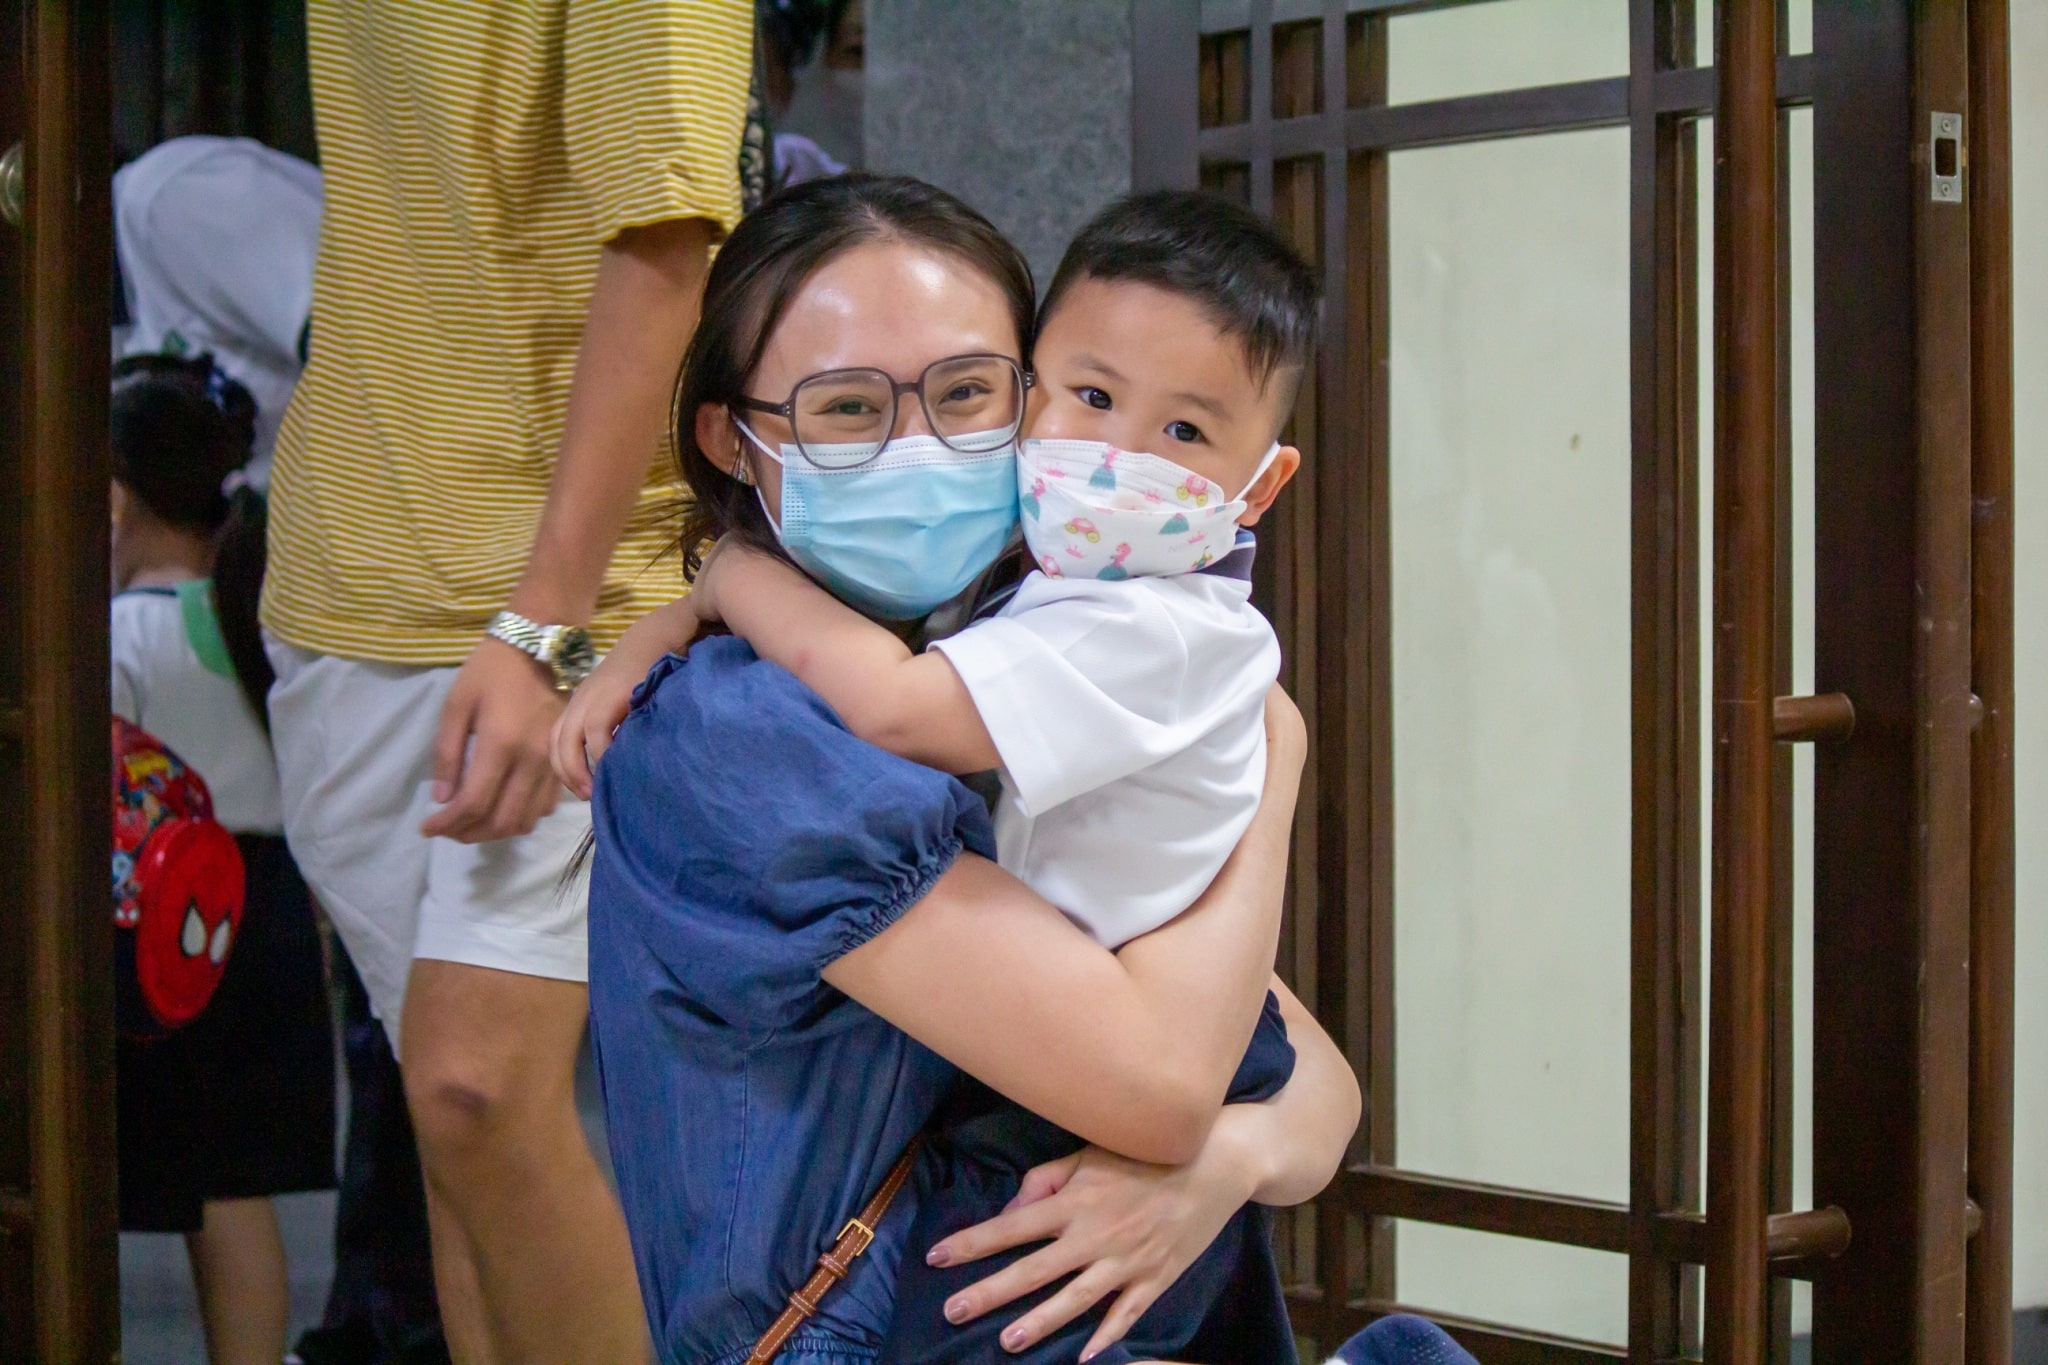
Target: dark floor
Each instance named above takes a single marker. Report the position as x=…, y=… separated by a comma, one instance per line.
x=159, y=1319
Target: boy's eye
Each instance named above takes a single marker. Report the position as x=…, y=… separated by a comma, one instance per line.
x=1184, y=431
x=1094, y=397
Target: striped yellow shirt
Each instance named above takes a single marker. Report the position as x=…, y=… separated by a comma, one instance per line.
x=477, y=155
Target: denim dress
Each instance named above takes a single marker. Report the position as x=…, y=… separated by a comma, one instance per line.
x=745, y=840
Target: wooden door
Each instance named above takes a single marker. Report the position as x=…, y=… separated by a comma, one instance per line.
x=1879, y=654
x=58, y=1264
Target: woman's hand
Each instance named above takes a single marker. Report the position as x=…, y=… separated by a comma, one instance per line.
x=584, y=729
x=1129, y=1228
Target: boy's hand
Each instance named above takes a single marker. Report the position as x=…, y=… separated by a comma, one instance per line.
x=584, y=730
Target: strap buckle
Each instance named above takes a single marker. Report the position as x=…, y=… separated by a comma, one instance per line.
x=867, y=1235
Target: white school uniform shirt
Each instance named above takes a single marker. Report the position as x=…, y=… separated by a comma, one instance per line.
x=216, y=237
x=194, y=705
x=1130, y=720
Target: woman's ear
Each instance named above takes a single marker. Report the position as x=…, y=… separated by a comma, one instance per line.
x=717, y=437
x=1267, y=486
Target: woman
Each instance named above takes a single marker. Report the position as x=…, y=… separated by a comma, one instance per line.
x=769, y=990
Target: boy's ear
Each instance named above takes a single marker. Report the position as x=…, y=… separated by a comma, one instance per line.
x=1267, y=486
x=717, y=437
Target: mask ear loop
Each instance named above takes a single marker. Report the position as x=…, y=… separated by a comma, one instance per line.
x=1272, y=454
x=743, y=470
x=743, y=459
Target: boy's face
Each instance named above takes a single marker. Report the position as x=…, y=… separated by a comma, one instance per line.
x=1145, y=370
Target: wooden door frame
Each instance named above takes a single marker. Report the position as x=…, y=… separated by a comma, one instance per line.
x=59, y=717
x=1931, y=337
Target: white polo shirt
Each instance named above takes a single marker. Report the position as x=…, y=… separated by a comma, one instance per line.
x=1130, y=719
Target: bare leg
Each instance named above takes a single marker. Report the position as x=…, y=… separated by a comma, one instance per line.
x=238, y=1266
x=465, y=1322
x=489, y=1065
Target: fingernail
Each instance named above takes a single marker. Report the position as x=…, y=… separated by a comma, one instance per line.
x=1013, y=1339
x=938, y=1255
x=1090, y=1354
x=440, y=793
x=956, y=1311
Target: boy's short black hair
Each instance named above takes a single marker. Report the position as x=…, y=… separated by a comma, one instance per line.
x=1224, y=258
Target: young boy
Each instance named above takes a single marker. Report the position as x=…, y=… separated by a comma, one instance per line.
x=1119, y=692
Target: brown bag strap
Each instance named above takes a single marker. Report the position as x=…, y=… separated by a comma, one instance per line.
x=834, y=1264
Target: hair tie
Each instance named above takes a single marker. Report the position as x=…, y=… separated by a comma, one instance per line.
x=235, y=482
x=217, y=387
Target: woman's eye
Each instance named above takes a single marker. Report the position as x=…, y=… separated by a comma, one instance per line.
x=1094, y=398
x=850, y=407
x=1186, y=432
x=964, y=393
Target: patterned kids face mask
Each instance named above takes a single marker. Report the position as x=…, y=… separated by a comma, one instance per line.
x=1093, y=511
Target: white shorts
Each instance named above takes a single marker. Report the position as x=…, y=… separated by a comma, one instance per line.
x=355, y=764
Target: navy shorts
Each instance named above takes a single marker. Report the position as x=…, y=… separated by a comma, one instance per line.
x=240, y=1102
x=1227, y=1307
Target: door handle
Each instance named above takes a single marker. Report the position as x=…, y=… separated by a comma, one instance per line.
x=11, y=185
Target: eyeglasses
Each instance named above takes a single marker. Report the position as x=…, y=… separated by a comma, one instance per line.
x=841, y=419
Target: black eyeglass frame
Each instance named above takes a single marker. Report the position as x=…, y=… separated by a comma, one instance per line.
x=786, y=409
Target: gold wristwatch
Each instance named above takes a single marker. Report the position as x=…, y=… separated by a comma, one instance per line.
x=564, y=651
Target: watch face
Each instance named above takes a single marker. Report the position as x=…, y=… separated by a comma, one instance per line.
x=574, y=658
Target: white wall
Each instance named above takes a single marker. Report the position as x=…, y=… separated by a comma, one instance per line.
x=1510, y=541
x=2030, y=286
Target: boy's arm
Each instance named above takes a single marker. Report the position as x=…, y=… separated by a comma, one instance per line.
x=584, y=729
x=913, y=705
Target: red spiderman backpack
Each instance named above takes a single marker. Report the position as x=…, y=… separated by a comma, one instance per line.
x=178, y=887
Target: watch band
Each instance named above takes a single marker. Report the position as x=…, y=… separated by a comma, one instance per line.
x=519, y=632
x=563, y=650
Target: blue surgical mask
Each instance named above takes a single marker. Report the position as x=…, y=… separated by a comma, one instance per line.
x=903, y=534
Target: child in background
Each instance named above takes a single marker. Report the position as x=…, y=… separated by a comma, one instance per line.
x=237, y=1106
x=1120, y=691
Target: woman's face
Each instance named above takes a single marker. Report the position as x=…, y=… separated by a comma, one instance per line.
x=887, y=305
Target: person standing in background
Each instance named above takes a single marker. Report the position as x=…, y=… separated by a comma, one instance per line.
x=237, y=1106
x=465, y=503
x=792, y=34
x=817, y=93
x=215, y=238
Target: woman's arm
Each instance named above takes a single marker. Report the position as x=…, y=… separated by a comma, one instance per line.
x=1297, y=1140
x=1132, y=1051
x=1130, y=1229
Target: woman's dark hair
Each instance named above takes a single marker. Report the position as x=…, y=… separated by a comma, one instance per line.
x=756, y=274
x=180, y=428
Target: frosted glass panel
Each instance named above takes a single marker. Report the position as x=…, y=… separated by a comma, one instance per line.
x=1510, y=545
x=1566, y=1291
x=1504, y=45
